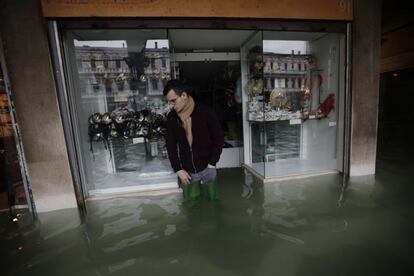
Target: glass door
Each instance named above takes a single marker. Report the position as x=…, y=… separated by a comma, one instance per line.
x=253, y=103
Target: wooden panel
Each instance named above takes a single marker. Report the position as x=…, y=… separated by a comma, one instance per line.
x=288, y=9
x=398, y=62
x=397, y=45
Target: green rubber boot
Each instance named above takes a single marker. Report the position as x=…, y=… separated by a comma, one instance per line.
x=191, y=192
x=210, y=190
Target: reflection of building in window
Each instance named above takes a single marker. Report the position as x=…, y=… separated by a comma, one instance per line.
x=79, y=62
x=159, y=69
x=152, y=61
x=105, y=60
x=117, y=61
x=92, y=61
x=287, y=75
x=109, y=58
x=154, y=84
x=101, y=69
x=108, y=83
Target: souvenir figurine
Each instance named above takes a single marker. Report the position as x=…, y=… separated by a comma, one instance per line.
x=278, y=98
x=143, y=78
x=256, y=63
x=326, y=106
x=305, y=102
x=257, y=88
x=254, y=87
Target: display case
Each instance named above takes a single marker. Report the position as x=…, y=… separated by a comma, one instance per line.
x=292, y=90
x=117, y=80
x=288, y=87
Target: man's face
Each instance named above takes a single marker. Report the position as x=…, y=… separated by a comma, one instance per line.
x=175, y=101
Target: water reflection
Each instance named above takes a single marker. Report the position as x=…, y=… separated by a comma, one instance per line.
x=247, y=189
x=294, y=227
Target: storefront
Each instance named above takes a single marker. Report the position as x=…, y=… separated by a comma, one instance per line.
x=289, y=114
x=278, y=88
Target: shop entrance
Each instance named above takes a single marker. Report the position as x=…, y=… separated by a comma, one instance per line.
x=215, y=83
x=279, y=97
x=209, y=62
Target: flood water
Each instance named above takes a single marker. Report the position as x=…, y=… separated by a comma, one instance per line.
x=297, y=227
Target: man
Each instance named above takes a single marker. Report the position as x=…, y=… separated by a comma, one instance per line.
x=194, y=142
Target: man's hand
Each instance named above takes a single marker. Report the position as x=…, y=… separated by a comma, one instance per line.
x=184, y=176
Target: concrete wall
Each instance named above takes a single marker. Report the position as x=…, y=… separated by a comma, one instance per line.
x=23, y=32
x=365, y=86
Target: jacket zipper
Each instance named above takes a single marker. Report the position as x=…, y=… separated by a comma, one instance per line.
x=191, y=148
x=192, y=158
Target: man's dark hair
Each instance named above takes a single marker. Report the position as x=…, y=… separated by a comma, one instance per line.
x=177, y=86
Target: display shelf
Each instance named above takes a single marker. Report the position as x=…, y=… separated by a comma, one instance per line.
x=284, y=82
x=296, y=90
x=284, y=73
x=273, y=116
x=296, y=118
x=274, y=140
x=292, y=121
x=282, y=93
x=279, y=85
x=266, y=151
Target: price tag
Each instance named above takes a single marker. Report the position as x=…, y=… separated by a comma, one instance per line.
x=295, y=122
x=137, y=140
x=120, y=98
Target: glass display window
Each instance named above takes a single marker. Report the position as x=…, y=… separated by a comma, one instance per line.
x=117, y=78
x=294, y=90
x=279, y=96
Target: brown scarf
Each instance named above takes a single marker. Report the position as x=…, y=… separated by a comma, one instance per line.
x=185, y=116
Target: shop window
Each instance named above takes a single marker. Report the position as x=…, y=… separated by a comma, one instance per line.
x=105, y=60
x=92, y=60
x=294, y=106
x=154, y=84
x=120, y=120
x=278, y=96
x=117, y=62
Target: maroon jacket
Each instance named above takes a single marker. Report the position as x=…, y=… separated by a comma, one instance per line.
x=208, y=140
